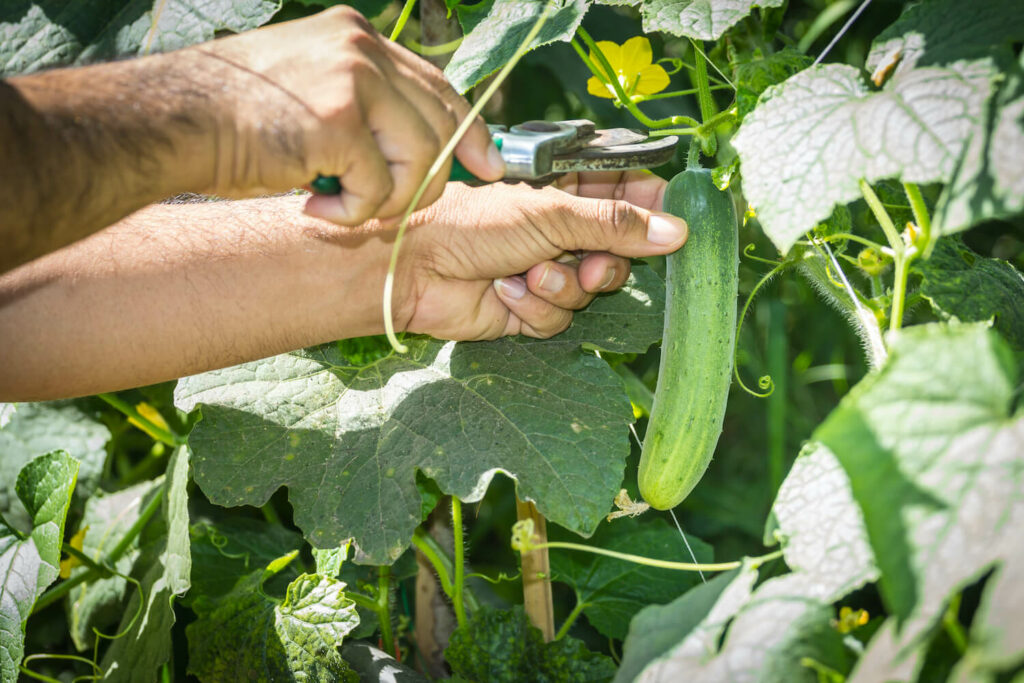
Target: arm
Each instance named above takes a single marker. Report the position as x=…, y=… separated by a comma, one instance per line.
x=257, y=113
x=179, y=289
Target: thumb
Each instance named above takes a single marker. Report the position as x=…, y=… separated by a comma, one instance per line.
x=621, y=228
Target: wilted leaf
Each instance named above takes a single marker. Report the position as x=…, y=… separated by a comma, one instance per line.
x=699, y=19
x=501, y=646
x=348, y=441
x=811, y=139
x=615, y=590
x=932, y=444
x=30, y=562
x=495, y=28
x=40, y=34
x=163, y=569
x=294, y=639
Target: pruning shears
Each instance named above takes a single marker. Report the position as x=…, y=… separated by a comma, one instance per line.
x=538, y=152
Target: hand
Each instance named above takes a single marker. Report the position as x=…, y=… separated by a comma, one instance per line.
x=329, y=95
x=486, y=262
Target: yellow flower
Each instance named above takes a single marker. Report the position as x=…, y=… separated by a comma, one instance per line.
x=632, y=63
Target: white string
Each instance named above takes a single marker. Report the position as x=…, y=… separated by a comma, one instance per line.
x=703, y=54
x=842, y=31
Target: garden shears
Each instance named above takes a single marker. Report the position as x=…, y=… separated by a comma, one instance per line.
x=538, y=152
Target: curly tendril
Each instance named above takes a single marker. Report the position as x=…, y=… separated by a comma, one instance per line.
x=765, y=383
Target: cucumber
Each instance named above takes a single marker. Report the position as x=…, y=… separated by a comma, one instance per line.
x=697, y=345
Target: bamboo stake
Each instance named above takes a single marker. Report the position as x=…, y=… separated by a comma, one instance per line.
x=537, y=575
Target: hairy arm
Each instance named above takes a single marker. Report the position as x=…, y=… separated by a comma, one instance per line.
x=173, y=290
x=84, y=147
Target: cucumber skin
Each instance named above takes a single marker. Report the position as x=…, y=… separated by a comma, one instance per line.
x=697, y=344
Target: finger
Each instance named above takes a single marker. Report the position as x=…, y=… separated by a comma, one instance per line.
x=537, y=317
x=638, y=187
x=603, y=272
x=365, y=183
x=558, y=284
x=476, y=149
x=610, y=225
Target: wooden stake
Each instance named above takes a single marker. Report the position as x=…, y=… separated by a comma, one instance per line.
x=537, y=575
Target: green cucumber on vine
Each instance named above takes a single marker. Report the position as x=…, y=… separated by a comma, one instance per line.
x=697, y=345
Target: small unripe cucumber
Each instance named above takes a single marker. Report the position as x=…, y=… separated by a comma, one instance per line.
x=697, y=345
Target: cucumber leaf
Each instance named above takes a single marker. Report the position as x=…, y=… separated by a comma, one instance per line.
x=959, y=283
x=494, y=30
x=100, y=603
x=163, y=570
x=614, y=590
x=41, y=34
x=698, y=19
x=502, y=645
x=348, y=439
x=811, y=139
x=37, y=428
x=934, y=463
x=294, y=638
x=30, y=562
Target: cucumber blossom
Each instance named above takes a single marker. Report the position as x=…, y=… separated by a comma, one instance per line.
x=697, y=345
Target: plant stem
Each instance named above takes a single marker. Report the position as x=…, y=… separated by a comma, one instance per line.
x=901, y=256
x=364, y=601
x=693, y=154
x=606, y=74
x=951, y=623
x=882, y=216
x=156, y=431
x=899, y=291
x=383, y=610
x=460, y=562
x=675, y=93
x=402, y=19
x=571, y=619
x=921, y=217
x=700, y=78
x=651, y=562
x=427, y=545
x=62, y=589
x=537, y=574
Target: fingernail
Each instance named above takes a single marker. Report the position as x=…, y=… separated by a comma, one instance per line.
x=609, y=276
x=551, y=281
x=512, y=287
x=495, y=160
x=664, y=229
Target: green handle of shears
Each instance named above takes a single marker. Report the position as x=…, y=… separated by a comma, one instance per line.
x=329, y=184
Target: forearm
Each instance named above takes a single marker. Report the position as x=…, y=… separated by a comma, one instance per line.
x=173, y=290
x=82, y=148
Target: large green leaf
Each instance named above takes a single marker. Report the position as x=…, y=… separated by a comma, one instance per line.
x=40, y=34
x=755, y=74
x=932, y=444
x=787, y=618
x=614, y=590
x=98, y=604
x=501, y=646
x=990, y=180
x=656, y=629
x=163, y=570
x=348, y=439
x=972, y=288
x=37, y=428
x=940, y=32
x=494, y=30
x=294, y=639
x=30, y=562
x=699, y=19
x=811, y=139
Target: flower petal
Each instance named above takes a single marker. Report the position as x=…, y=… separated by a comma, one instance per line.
x=599, y=89
x=612, y=52
x=653, y=78
x=636, y=54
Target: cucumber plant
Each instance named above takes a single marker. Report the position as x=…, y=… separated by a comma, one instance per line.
x=873, y=155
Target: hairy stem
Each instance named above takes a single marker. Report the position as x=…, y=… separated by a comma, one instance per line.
x=571, y=619
x=159, y=433
x=459, y=561
x=650, y=561
x=383, y=610
x=403, y=18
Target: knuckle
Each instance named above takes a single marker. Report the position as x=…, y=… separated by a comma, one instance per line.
x=617, y=216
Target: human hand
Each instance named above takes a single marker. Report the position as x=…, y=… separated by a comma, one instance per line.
x=485, y=262
x=328, y=94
